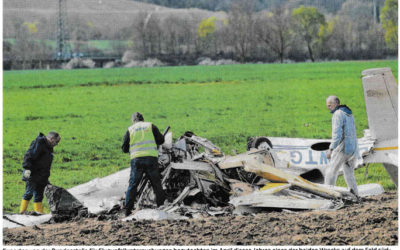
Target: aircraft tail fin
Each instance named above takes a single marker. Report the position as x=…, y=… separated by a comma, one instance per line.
x=381, y=96
x=380, y=93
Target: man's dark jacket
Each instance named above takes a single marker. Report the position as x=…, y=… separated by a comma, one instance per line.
x=38, y=159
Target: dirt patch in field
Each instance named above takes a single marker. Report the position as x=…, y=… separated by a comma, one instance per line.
x=372, y=222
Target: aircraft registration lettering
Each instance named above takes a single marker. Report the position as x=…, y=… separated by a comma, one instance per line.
x=310, y=159
x=323, y=159
x=293, y=156
x=305, y=156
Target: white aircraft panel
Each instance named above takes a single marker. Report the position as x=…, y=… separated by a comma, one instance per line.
x=380, y=93
x=102, y=194
x=26, y=220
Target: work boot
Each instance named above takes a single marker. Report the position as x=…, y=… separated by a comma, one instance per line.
x=357, y=197
x=24, y=206
x=125, y=211
x=38, y=207
x=128, y=211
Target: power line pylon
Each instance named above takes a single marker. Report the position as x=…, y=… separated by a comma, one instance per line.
x=63, y=48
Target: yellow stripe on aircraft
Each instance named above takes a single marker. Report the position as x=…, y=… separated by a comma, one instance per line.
x=272, y=185
x=386, y=148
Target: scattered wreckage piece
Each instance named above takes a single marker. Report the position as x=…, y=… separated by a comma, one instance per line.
x=102, y=194
x=22, y=220
x=282, y=196
x=153, y=214
x=239, y=188
x=261, y=156
x=64, y=204
x=364, y=190
x=209, y=147
x=260, y=199
x=277, y=175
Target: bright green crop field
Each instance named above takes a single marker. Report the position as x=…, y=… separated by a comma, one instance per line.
x=91, y=109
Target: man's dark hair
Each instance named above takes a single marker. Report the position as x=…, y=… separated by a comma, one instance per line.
x=137, y=117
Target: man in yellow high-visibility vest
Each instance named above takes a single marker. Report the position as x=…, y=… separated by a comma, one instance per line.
x=141, y=141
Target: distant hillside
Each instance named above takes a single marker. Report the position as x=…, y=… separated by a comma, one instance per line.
x=104, y=15
x=137, y=31
x=329, y=6
x=108, y=17
x=224, y=5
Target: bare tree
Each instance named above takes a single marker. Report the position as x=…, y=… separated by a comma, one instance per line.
x=187, y=31
x=241, y=27
x=273, y=29
x=176, y=35
x=141, y=34
x=27, y=52
x=354, y=34
x=154, y=35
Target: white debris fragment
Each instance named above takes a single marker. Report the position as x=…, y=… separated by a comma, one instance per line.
x=153, y=214
x=17, y=220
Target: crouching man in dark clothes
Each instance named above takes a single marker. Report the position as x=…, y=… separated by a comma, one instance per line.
x=37, y=164
x=141, y=141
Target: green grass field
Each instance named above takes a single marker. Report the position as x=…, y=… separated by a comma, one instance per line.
x=227, y=104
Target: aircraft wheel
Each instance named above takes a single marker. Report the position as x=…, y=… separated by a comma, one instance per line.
x=259, y=143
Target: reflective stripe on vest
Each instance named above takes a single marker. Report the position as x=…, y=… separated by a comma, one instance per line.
x=142, y=141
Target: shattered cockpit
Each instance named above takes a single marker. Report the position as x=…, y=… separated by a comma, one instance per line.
x=197, y=174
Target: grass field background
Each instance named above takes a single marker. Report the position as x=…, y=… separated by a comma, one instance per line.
x=227, y=104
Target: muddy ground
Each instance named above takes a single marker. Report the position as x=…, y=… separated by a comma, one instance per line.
x=372, y=222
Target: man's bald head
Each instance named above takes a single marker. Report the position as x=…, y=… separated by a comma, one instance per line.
x=332, y=102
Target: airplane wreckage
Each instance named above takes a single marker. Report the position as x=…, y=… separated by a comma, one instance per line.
x=274, y=173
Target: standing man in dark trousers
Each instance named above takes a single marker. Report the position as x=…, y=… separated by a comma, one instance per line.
x=37, y=164
x=141, y=141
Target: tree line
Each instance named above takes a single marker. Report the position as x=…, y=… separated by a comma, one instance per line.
x=225, y=5
x=282, y=34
